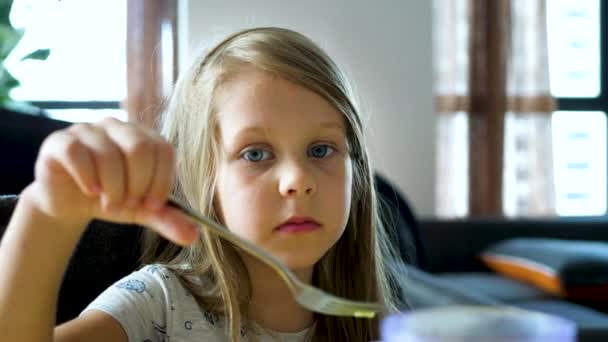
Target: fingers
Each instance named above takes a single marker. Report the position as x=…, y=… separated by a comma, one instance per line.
x=126, y=170
x=149, y=163
x=139, y=153
x=109, y=162
x=171, y=223
x=63, y=151
x=161, y=183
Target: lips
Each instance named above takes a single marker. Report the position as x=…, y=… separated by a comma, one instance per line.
x=299, y=225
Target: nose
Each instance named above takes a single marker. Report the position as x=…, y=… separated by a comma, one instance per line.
x=296, y=180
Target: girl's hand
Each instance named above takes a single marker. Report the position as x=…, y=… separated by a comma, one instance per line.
x=110, y=170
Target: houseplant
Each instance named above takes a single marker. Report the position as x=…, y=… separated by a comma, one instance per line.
x=9, y=38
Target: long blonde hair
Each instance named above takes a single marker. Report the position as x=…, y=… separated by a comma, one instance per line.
x=190, y=125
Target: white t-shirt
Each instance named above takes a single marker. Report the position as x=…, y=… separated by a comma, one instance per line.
x=151, y=304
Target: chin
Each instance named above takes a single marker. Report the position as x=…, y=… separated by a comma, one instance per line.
x=298, y=262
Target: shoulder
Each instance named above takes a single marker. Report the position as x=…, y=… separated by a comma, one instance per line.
x=151, y=303
x=154, y=283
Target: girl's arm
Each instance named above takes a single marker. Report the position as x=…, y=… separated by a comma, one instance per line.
x=93, y=326
x=33, y=256
x=112, y=170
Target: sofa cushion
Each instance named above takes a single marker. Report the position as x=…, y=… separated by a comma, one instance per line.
x=497, y=287
x=574, y=269
x=423, y=290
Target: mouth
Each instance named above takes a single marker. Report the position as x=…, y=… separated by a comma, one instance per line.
x=299, y=225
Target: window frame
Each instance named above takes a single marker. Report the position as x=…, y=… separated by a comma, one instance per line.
x=598, y=103
x=77, y=104
x=147, y=20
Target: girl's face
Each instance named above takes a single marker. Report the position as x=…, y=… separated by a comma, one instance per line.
x=284, y=159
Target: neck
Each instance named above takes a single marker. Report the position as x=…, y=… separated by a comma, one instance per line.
x=272, y=304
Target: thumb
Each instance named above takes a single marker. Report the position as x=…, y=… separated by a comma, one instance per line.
x=172, y=224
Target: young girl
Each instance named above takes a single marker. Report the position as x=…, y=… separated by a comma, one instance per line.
x=261, y=134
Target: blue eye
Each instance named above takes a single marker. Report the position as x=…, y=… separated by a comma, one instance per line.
x=256, y=155
x=320, y=151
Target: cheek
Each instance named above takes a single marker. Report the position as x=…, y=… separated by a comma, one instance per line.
x=340, y=187
x=239, y=199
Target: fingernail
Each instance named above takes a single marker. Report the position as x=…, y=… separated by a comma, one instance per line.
x=105, y=202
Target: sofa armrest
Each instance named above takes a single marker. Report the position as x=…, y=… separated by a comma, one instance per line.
x=455, y=245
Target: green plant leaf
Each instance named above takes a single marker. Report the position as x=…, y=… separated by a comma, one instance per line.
x=7, y=82
x=9, y=38
x=40, y=54
x=5, y=11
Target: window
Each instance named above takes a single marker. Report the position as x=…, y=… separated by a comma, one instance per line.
x=577, y=33
x=84, y=77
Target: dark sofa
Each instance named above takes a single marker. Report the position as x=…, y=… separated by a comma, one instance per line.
x=443, y=267
x=452, y=262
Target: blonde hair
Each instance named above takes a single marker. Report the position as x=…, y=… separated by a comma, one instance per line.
x=190, y=125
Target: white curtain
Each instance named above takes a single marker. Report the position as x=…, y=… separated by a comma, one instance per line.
x=528, y=184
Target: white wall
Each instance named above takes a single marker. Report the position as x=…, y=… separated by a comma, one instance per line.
x=385, y=48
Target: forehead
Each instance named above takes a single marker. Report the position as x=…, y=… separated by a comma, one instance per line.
x=259, y=99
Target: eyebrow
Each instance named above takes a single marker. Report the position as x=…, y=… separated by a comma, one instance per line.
x=333, y=125
x=325, y=125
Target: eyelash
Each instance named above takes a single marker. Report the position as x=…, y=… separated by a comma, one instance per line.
x=331, y=150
